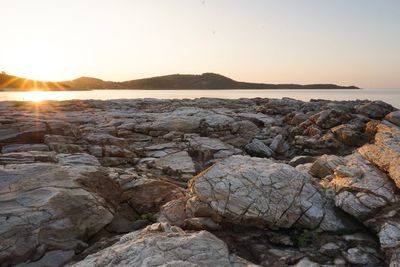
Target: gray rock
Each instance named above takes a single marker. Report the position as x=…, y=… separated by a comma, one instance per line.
x=41, y=205
x=23, y=132
x=104, y=139
x=179, y=164
x=362, y=189
x=279, y=145
x=394, y=117
x=77, y=159
x=325, y=165
x=27, y=157
x=327, y=118
x=52, y=258
x=385, y=152
x=375, y=109
x=164, y=245
x=205, y=149
x=349, y=134
x=24, y=148
x=258, y=149
x=298, y=160
x=147, y=195
x=173, y=212
x=306, y=262
x=255, y=191
x=363, y=256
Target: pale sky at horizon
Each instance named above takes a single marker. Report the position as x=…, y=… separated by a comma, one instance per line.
x=282, y=41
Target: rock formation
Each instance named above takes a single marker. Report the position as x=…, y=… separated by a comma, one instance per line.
x=203, y=182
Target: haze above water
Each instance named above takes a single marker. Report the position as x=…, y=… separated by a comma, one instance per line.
x=391, y=96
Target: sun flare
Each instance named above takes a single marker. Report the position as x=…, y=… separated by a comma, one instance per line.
x=34, y=96
x=41, y=62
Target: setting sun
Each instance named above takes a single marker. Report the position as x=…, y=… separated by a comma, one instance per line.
x=42, y=61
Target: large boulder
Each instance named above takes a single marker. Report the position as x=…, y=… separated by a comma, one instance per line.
x=385, y=152
x=375, y=109
x=367, y=188
x=164, y=245
x=260, y=192
x=46, y=207
x=362, y=190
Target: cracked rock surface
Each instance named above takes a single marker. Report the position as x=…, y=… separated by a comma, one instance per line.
x=256, y=191
x=199, y=182
x=47, y=206
x=165, y=245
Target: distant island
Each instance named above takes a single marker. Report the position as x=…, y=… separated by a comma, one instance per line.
x=175, y=81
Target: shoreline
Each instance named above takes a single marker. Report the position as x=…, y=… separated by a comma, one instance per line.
x=155, y=89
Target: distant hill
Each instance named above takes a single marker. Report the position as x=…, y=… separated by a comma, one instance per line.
x=175, y=81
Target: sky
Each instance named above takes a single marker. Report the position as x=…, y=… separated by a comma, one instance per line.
x=273, y=41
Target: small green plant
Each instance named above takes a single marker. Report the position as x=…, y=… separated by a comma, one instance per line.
x=303, y=238
x=147, y=216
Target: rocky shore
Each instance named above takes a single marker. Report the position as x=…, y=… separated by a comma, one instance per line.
x=204, y=182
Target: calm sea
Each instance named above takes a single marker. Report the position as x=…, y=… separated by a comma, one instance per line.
x=391, y=96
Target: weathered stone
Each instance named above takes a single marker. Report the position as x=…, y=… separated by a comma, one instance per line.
x=279, y=144
x=52, y=258
x=325, y=165
x=258, y=149
x=201, y=223
x=22, y=132
x=258, y=118
x=178, y=164
x=148, y=195
x=327, y=118
x=306, y=262
x=50, y=207
x=205, y=149
x=164, y=245
x=362, y=189
x=217, y=122
x=161, y=150
x=24, y=148
x=298, y=160
x=394, y=117
x=385, y=152
x=255, y=191
x=173, y=212
x=104, y=139
x=77, y=159
x=375, y=109
x=349, y=134
x=363, y=256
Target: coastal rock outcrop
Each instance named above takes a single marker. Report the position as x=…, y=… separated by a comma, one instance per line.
x=276, y=182
x=165, y=245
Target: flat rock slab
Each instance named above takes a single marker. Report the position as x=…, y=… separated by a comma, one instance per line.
x=46, y=206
